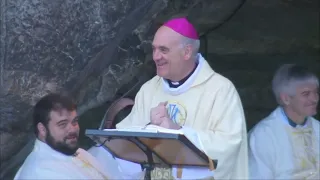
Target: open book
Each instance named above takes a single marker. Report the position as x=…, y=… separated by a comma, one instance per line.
x=189, y=134
x=150, y=129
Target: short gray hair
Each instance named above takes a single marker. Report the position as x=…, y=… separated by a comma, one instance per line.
x=195, y=44
x=288, y=77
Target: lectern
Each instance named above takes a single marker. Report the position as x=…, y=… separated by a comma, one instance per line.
x=151, y=149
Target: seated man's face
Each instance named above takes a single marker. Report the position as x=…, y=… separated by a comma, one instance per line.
x=306, y=99
x=63, y=131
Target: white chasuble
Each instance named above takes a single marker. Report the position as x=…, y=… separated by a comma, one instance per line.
x=209, y=109
x=46, y=163
x=277, y=150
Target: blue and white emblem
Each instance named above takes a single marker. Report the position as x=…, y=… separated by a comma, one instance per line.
x=177, y=112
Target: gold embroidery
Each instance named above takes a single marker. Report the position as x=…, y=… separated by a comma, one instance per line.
x=160, y=173
x=304, y=151
x=303, y=164
x=88, y=165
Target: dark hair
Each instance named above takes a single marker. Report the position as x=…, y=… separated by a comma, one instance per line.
x=121, y=115
x=48, y=103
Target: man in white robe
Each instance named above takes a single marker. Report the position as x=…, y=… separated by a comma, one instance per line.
x=285, y=145
x=56, y=154
x=188, y=95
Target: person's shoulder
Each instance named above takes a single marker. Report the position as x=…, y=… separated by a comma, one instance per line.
x=95, y=149
x=152, y=83
x=50, y=170
x=219, y=86
x=36, y=167
x=264, y=127
x=32, y=160
x=220, y=82
x=315, y=122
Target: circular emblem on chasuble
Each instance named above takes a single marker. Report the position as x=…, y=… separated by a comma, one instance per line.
x=177, y=112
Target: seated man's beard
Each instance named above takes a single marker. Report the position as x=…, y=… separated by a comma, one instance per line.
x=62, y=147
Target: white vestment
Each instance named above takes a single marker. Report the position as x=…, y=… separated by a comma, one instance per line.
x=128, y=170
x=209, y=109
x=46, y=163
x=278, y=150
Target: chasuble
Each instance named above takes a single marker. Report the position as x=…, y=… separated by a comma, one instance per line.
x=46, y=163
x=278, y=150
x=209, y=109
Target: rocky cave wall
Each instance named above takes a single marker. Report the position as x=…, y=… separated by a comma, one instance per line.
x=97, y=50
x=257, y=40
x=89, y=49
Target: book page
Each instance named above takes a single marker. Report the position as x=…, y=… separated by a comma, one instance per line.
x=149, y=129
x=164, y=130
x=134, y=129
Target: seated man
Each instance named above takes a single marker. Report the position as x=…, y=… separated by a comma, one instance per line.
x=129, y=170
x=56, y=154
x=285, y=145
x=188, y=95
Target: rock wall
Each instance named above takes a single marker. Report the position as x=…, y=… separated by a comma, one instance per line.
x=96, y=50
x=257, y=40
x=48, y=46
x=86, y=48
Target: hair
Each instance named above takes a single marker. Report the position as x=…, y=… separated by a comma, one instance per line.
x=195, y=44
x=47, y=104
x=288, y=77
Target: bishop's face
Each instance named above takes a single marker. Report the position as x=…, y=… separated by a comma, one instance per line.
x=63, y=131
x=168, y=54
x=305, y=100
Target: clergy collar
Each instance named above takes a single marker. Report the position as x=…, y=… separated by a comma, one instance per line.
x=291, y=122
x=173, y=84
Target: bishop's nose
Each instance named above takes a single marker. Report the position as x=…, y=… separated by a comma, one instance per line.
x=156, y=55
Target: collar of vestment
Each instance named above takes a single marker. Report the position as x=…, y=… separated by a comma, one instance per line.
x=173, y=84
x=291, y=122
x=201, y=74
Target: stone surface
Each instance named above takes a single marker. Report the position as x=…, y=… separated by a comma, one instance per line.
x=97, y=50
x=87, y=48
x=260, y=37
x=273, y=27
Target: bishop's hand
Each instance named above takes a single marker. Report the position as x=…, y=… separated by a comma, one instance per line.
x=159, y=116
